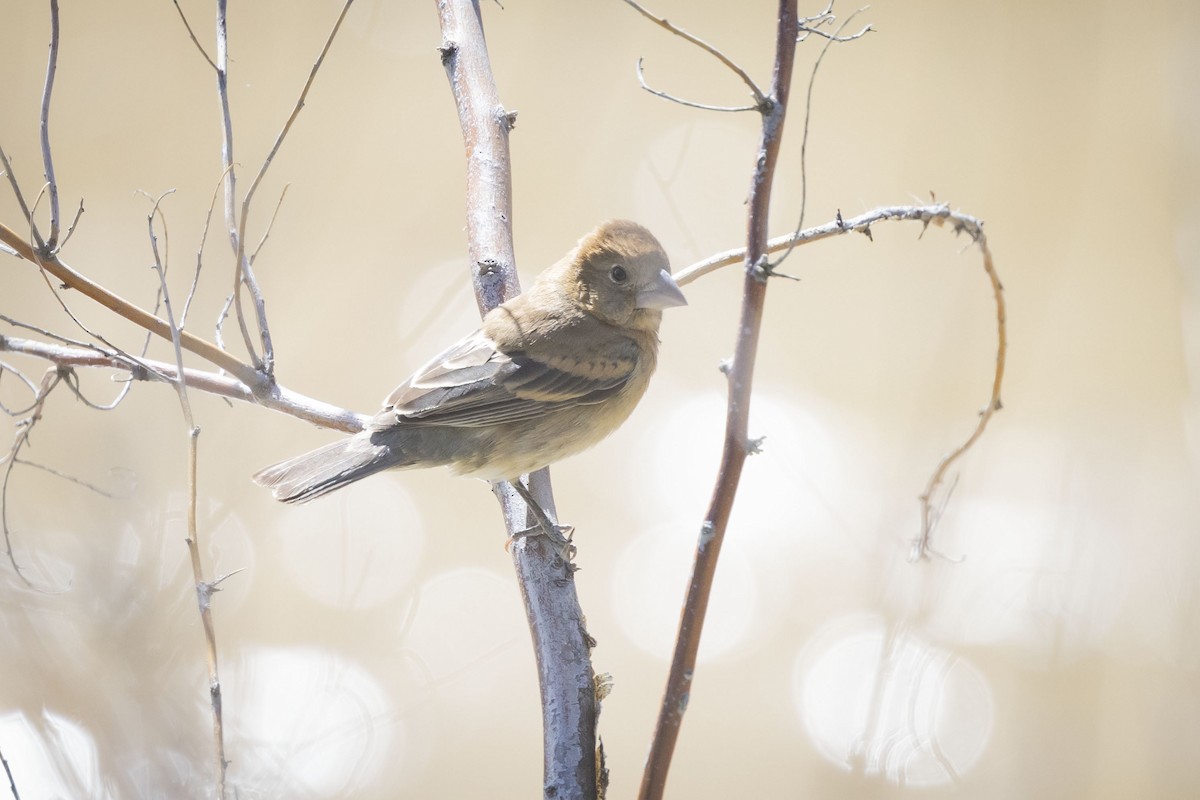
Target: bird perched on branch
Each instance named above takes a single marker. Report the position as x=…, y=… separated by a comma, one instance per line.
x=548, y=374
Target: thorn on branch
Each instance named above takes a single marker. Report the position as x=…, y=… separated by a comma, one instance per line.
x=507, y=118
x=447, y=52
x=754, y=445
x=725, y=365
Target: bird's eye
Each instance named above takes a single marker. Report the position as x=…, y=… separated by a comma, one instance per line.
x=618, y=274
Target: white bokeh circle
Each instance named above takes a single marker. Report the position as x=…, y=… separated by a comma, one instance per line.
x=880, y=701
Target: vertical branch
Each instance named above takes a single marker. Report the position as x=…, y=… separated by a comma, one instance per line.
x=733, y=457
x=556, y=624
x=204, y=589
x=231, y=218
x=47, y=159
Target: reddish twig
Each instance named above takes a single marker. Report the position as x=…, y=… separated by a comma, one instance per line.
x=733, y=457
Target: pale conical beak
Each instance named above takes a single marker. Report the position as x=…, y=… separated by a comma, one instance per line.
x=663, y=293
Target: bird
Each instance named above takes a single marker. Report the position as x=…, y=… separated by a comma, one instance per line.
x=549, y=373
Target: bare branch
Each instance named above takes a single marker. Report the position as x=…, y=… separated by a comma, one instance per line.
x=70, y=478
x=755, y=92
x=50, y=379
x=47, y=158
x=71, y=227
x=25, y=212
x=561, y=643
x=939, y=215
x=192, y=34
x=691, y=104
x=139, y=316
x=921, y=547
x=204, y=589
x=812, y=81
x=277, y=399
x=270, y=225
x=733, y=456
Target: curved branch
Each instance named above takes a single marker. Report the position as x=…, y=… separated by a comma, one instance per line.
x=940, y=215
x=755, y=92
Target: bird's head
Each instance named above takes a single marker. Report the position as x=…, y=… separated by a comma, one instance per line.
x=622, y=275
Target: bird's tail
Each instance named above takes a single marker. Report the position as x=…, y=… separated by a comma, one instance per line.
x=304, y=477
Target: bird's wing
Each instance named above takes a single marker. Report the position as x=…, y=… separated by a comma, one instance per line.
x=475, y=384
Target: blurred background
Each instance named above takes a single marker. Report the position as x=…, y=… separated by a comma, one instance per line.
x=374, y=645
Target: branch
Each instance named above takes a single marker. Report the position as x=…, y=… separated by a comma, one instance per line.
x=47, y=159
x=204, y=589
x=556, y=623
x=939, y=215
x=277, y=398
x=135, y=314
x=755, y=92
x=245, y=263
x=733, y=457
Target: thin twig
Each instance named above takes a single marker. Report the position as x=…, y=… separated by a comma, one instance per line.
x=64, y=476
x=47, y=157
x=808, y=95
x=25, y=212
x=139, y=316
x=50, y=379
x=270, y=225
x=737, y=443
x=921, y=547
x=681, y=101
x=187, y=303
x=192, y=34
x=755, y=92
x=277, y=399
x=244, y=263
x=230, y=175
x=71, y=227
x=941, y=216
x=204, y=588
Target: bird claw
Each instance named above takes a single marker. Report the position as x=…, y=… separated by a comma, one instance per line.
x=559, y=536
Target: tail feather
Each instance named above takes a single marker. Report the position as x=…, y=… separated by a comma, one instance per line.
x=315, y=473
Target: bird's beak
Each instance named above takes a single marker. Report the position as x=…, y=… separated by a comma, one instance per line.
x=663, y=293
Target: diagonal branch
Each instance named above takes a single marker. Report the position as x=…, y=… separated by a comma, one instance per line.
x=755, y=92
x=133, y=313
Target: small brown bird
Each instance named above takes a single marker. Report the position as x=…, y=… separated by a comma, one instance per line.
x=548, y=374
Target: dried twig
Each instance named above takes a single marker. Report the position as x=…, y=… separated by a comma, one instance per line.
x=941, y=216
x=50, y=380
x=755, y=92
x=808, y=95
x=192, y=35
x=204, y=589
x=26, y=214
x=139, y=316
x=47, y=159
x=278, y=399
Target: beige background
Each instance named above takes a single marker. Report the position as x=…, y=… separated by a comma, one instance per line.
x=373, y=645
